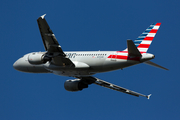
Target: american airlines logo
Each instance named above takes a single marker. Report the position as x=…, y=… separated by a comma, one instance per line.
x=73, y=55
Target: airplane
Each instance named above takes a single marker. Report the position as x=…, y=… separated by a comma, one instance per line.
x=83, y=64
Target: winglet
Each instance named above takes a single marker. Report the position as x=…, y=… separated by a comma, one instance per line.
x=43, y=16
x=148, y=96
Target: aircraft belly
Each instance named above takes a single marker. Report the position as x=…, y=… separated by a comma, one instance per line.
x=73, y=73
x=37, y=69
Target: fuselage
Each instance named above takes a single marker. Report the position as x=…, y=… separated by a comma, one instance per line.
x=86, y=63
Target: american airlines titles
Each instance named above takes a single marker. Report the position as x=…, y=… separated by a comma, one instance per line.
x=73, y=55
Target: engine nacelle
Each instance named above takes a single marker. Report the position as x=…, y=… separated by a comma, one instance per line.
x=75, y=85
x=37, y=58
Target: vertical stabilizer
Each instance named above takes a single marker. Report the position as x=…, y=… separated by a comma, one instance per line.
x=145, y=39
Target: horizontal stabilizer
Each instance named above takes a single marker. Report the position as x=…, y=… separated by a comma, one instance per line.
x=132, y=49
x=155, y=65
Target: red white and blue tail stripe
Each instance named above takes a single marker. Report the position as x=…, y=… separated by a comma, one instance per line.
x=144, y=40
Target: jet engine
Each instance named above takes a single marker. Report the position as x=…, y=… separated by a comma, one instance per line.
x=38, y=58
x=75, y=85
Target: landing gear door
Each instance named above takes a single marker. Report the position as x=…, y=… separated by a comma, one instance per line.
x=114, y=56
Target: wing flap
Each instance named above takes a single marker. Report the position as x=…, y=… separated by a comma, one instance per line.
x=117, y=88
x=90, y=80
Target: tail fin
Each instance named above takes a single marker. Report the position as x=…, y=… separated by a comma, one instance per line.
x=144, y=40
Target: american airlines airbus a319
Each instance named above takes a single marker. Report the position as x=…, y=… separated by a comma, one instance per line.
x=83, y=64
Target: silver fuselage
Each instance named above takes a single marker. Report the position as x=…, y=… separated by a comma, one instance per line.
x=86, y=63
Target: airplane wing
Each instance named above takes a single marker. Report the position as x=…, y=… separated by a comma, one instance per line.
x=90, y=80
x=51, y=44
x=49, y=40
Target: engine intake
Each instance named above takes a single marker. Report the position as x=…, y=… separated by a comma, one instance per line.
x=38, y=58
x=75, y=85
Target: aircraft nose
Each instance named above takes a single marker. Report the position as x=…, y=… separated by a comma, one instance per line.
x=16, y=65
x=19, y=65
